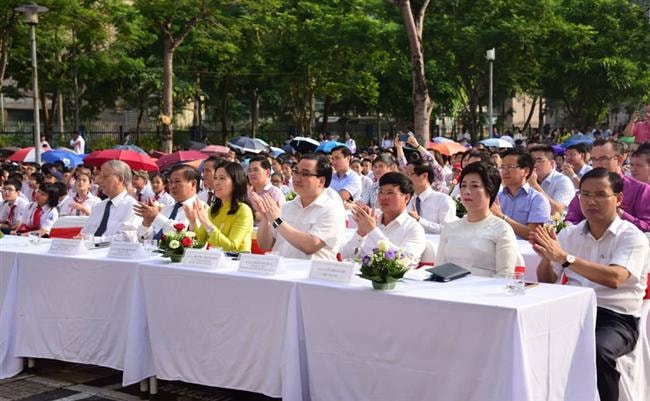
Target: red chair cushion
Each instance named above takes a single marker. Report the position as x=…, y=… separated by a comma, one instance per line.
x=255, y=248
x=65, y=232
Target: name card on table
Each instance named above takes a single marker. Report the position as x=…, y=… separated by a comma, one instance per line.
x=201, y=258
x=340, y=272
x=63, y=246
x=262, y=264
x=126, y=250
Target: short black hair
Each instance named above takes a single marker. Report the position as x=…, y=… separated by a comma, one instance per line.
x=619, y=147
x=482, y=154
x=385, y=158
x=264, y=162
x=17, y=184
x=615, y=180
x=399, y=179
x=52, y=191
x=546, y=149
x=489, y=175
x=189, y=173
x=345, y=151
x=642, y=152
x=420, y=167
x=524, y=159
x=323, y=166
x=582, y=148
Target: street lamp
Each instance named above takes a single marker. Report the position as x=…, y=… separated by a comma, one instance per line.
x=30, y=13
x=491, y=55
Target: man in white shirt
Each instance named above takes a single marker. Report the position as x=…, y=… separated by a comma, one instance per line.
x=575, y=164
x=607, y=254
x=345, y=181
x=183, y=182
x=311, y=225
x=382, y=164
x=259, y=177
x=114, y=218
x=140, y=182
x=393, y=224
x=430, y=208
x=12, y=206
x=557, y=188
x=78, y=143
x=209, y=168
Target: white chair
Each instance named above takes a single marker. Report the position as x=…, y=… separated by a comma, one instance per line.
x=70, y=221
x=429, y=255
x=635, y=366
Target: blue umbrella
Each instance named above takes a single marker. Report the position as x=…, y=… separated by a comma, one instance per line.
x=276, y=151
x=69, y=159
x=577, y=139
x=327, y=147
x=130, y=147
x=247, y=144
x=496, y=143
x=557, y=149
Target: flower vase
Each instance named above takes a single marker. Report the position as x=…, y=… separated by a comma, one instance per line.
x=176, y=258
x=383, y=286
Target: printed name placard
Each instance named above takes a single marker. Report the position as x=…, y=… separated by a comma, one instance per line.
x=63, y=246
x=201, y=258
x=262, y=264
x=126, y=250
x=340, y=272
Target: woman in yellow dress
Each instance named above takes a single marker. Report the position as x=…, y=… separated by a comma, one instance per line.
x=228, y=224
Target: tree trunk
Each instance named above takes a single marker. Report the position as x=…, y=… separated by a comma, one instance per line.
x=255, y=111
x=224, y=114
x=422, y=104
x=530, y=114
x=168, y=102
x=540, y=116
x=327, y=104
x=47, y=116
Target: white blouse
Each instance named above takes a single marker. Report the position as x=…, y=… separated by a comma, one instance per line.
x=486, y=248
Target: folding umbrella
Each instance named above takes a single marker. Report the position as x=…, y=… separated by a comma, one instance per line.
x=440, y=139
x=303, y=144
x=130, y=147
x=327, y=147
x=68, y=157
x=135, y=160
x=8, y=151
x=447, y=148
x=245, y=144
x=25, y=155
x=276, y=151
x=496, y=143
x=181, y=156
x=215, y=150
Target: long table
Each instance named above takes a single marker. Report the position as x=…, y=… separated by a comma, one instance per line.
x=296, y=338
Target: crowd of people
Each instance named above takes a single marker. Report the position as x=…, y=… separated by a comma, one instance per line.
x=480, y=202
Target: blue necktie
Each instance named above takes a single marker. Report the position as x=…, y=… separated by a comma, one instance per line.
x=172, y=216
x=417, y=205
x=104, y=223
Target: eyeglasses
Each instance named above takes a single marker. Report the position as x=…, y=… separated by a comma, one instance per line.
x=599, y=196
x=303, y=174
x=603, y=159
x=509, y=167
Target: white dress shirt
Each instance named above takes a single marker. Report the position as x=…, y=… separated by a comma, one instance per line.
x=163, y=221
x=350, y=181
x=122, y=223
x=369, y=195
x=19, y=205
x=404, y=233
x=486, y=248
x=559, y=187
x=164, y=199
x=78, y=145
x=49, y=216
x=147, y=193
x=66, y=208
x=323, y=218
x=436, y=210
x=204, y=195
x=622, y=244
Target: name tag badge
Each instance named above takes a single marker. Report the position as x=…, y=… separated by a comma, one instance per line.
x=339, y=272
x=202, y=258
x=126, y=250
x=260, y=264
x=63, y=246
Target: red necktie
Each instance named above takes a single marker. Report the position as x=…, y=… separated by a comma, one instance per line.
x=36, y=220
x=34, y=195
x=79, y=200
x=10, y=217
x=157, y=197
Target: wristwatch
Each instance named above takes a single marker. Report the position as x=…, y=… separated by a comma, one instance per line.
x=569, y=259
x=276, y=223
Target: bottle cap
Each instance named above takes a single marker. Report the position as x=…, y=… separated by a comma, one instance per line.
x=520, y=269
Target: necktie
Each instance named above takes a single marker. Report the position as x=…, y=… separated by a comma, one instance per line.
x=34, y=195
x=102, y=225
x=157, y=197
x=418, y=207
x=139, y=197
x=36, y=219
x=10, y=217
x=79, y=200
x=172, y=216
x=210, y=197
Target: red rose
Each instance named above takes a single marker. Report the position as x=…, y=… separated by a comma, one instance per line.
x=186, y=242
x=179, y=226
x=162, y=237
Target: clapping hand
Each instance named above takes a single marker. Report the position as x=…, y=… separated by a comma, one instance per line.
x=364, y=217
x=266, y=207
x=496, y=209
x=546, y=245
x=147, y=210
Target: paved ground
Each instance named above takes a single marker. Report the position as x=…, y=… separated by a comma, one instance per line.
x=52, y=380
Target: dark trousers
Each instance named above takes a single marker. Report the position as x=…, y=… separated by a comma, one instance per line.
x=616, y=335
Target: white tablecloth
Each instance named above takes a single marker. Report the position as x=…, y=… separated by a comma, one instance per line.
x=9, y=365
x=81, y=309
x=224, y=329
x=464, y=341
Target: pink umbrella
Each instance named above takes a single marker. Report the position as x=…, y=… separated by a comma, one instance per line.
x=25, y=155
x=181, y=156
x=135, y=160
x=216, y=150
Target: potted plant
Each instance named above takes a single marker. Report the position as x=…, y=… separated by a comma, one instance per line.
x=173, y=243
x=384, y=267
